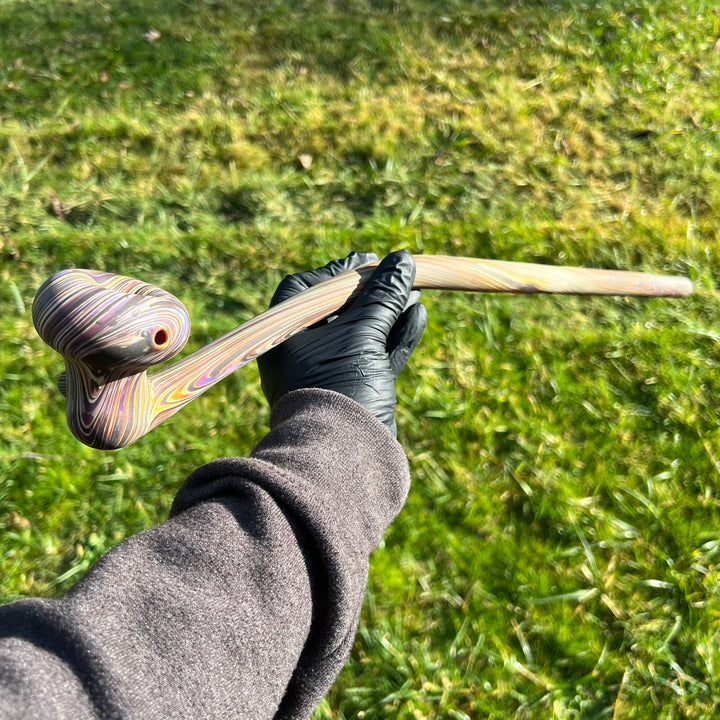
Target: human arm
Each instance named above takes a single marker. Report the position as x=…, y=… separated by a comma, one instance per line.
x=245, y=602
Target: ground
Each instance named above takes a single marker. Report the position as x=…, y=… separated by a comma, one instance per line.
x=558, y=554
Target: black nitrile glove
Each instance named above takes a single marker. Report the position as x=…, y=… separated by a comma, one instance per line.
x=361, y=352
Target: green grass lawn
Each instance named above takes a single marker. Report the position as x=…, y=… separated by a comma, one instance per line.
x=559, y=554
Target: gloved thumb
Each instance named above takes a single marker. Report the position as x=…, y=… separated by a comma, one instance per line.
x=385, y=295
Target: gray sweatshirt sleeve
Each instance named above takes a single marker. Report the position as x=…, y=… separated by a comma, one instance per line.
x=244, y=604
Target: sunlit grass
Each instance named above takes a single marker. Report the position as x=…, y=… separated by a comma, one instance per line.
x=558, y=554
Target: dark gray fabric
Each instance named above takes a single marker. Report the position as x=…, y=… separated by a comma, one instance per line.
x=244, y=604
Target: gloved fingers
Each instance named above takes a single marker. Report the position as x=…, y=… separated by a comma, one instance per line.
x=385, y=295
x=405, y=336
x=412, y=299
x=293, y=284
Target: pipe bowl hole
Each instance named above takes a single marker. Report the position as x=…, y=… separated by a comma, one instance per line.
x=160, y=338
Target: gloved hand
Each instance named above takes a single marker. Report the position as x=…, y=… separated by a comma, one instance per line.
x=361, y=352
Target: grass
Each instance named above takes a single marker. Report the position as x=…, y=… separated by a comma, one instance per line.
x=559, y=552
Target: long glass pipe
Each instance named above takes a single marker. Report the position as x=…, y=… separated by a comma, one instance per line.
x=110, y=329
